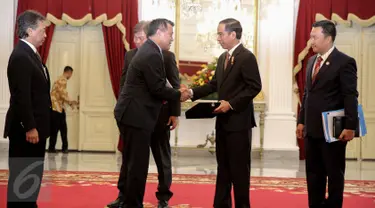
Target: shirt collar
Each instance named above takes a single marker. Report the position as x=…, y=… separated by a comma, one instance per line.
x=325, y=56
x=31, y=45
x=234, y=48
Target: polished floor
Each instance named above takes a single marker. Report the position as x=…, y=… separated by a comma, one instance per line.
x=189, y=164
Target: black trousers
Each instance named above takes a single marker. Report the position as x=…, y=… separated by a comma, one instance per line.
x=233, y=154
x=26, y=164
x=135, y=161
x=161, y=151
x=58, y=123
x=325, y=160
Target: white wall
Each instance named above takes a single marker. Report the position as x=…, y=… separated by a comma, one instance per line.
x=7, y=14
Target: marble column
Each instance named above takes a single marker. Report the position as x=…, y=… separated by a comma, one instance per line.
x=7, y=15
x=280, y=121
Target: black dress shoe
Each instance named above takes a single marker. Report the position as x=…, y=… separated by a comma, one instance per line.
x=163, y=204
x=118, y=203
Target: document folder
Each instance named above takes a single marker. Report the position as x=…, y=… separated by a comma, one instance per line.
x=334, y=123
x=202, y=110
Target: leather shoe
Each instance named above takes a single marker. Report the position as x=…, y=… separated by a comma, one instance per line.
x=118, y=203
x=163, y=204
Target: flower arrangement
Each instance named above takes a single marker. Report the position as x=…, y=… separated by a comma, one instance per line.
x=204, y=75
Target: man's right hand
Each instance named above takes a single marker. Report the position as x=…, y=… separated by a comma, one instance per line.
x=32, y=136
x=299, y=131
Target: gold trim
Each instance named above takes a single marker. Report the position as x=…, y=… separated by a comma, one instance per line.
x=256, y=26
x=87, y=19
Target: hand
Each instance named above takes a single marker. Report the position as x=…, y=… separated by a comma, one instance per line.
x=223, y=108
x=185, y=94
x=32, y=136
x=173, y=120
x=346, y=135
x=299, y=131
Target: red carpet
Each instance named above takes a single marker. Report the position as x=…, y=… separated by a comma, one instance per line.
x=94, y=189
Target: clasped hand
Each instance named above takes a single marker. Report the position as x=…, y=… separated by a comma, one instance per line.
x=185, y=93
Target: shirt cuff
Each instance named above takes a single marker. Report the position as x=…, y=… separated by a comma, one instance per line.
x=230, y=106
x=191, y=93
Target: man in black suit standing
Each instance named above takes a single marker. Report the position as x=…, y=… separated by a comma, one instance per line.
x=167, y=121
x=331, y=84
x=138, y=107
x=28, y=117
x=237, y=82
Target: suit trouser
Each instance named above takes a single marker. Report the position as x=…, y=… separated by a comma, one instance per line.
x=26, y=164
x=161, y=151
x=135, y=161
x=58, y=123
x=233, y=154
x=325, y=160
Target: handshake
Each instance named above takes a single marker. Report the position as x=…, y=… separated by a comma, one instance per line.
x=186, y=93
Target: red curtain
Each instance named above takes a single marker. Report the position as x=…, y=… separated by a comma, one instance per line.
x=77, y=10
x=345, y=9
x=42, y=7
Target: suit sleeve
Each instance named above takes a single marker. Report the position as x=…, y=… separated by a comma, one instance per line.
x=251, y=77
x=21, y=75
x=152, y=72
x=124, y=70
x=173, y=78
x=348, y=83
x=301, y=117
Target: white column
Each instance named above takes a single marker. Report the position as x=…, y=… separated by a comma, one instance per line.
x=7, y=12
x=277, y=28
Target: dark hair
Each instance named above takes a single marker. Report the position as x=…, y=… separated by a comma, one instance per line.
x=328, y=28
x=68, y=68
x=156, y=24
x=28, y=19
x=232, y=25
x=141, y=26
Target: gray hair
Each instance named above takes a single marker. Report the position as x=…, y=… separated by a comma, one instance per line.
x=26, y=20
x=141, y=26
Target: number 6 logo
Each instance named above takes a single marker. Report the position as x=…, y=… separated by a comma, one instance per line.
x=23, y=177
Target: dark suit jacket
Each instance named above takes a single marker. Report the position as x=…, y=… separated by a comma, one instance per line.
x=239, y=84
x=172, y=73
x=144, y=90
x=30, y=101
x=335, y=87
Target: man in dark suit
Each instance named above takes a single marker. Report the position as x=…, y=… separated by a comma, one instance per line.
x=28, y=117
x=237, y=82
x=167, y=121
x=331, y=84
x=138, y=108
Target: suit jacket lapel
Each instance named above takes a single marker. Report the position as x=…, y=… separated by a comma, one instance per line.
x=326, y=65
x=37, y=61
x=309, y=71
x=231, y=62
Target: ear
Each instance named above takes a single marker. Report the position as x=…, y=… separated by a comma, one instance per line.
x=233, y=34
x=29, y=31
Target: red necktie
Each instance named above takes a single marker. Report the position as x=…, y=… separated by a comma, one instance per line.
x=316, y=68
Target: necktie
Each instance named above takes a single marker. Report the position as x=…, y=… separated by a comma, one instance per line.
x=226, y=61
x=41, y=62
x=316, y=68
